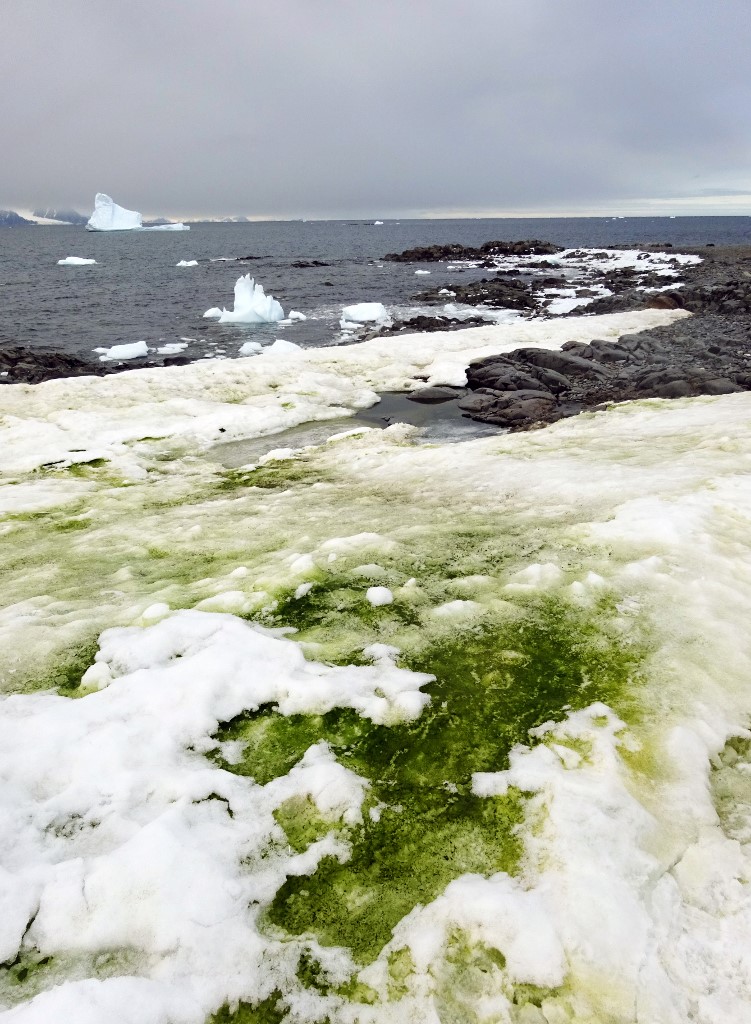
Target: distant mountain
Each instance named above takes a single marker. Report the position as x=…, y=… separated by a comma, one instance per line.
x=10, y=219
x=66, y=216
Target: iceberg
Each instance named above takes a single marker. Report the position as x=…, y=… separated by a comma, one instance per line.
x=252, y=305
x=74, y=261
x=187, y=263
x=108, y=216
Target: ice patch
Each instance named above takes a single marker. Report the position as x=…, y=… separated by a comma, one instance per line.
x=379, y=596
x=252, y=305
x=134, y=350
x=249, y=348
x=365, y=312
x=172, y=348
x=75, y=261
x=187, y=263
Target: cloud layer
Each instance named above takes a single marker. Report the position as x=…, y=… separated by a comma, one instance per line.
x=347, y=108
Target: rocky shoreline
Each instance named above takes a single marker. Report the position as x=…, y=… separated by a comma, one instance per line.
x=708, y=353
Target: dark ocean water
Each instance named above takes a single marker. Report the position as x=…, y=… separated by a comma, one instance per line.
x=135, y=292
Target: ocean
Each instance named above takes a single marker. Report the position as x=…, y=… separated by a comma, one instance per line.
x=136, y=292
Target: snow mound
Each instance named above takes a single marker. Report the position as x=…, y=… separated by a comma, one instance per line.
x=74, y=261
x=132, y=351
x=108, y=216
x=365, y=312
x=252, y=305
x=187, y=263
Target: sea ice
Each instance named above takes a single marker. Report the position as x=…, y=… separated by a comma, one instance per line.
x=250, y=348
x=252, y=305
x=187, y=263
x=74, y=261
x=134, y=350
x=364, y=312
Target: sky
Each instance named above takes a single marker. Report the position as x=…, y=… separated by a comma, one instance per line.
x=377, y=108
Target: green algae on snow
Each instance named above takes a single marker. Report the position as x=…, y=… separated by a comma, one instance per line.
x=423, y=826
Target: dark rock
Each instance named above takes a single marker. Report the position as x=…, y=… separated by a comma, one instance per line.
x=436, y=395
x=454, y=251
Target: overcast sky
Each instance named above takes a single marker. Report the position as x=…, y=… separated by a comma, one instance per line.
x=346, y=108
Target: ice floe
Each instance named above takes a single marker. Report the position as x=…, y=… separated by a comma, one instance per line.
x=252, y=305
x=75, y=261
x=133, y=350
x=187, y=263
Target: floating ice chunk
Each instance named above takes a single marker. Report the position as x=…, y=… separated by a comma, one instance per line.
x=167, y=227
x=108, y=216
x=212, y=314
x=364, y=312
x=187, y=263
x=295, y=315
x=281, y=346
x=252, y=305
x=172, y=348
x=74, y=261
x=379, y=595
x=446, y=291
x=133, y=351
x=250, y=348
x=376, y=223
x=422, y=271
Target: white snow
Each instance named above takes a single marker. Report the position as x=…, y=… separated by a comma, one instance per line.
x=378, y=596
x=134, y=350
x=633, y=897
x=74, y=261
x=108, y=216
x=187, y=263
x=252, y=305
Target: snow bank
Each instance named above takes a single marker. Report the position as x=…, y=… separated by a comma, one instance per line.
x=126, y=848
x=108, y=216
x=74, y=261
x=252, y=305
x=134, y=350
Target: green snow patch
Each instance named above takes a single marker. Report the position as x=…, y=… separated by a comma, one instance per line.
x=424, y=827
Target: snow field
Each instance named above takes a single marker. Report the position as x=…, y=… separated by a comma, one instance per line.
x=574, y=872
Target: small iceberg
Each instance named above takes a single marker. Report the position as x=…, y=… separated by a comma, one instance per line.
x=134, y=350
x=187, y=263
x=252, y=305
x=377, y=223
x=108, y=216
x=74, y=261
x=365, y=312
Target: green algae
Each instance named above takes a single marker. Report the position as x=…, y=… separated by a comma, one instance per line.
x=268, y=1011
x=302, y=822
x=426, y=827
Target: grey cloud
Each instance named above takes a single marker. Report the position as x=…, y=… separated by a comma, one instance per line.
x=346, y=107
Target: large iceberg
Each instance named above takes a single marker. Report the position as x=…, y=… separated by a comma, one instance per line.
x=108, y=216
x=252, y=305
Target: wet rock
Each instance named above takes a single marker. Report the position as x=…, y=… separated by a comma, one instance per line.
x=454, y=251
x=437, y=394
